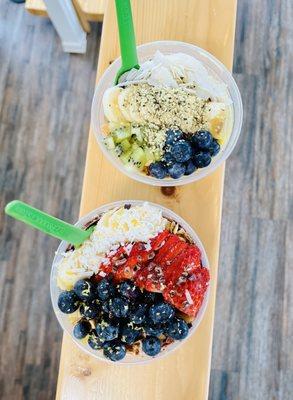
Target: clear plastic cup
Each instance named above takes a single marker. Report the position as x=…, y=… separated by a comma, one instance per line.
x=215, y=68
x=63, y=319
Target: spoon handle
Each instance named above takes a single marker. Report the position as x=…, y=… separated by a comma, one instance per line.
x=46, y=223
x=126, y=37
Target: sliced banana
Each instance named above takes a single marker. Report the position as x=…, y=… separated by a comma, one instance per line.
x=123, y=101
x=129, y=106
x=110, y=104
x=216, y=115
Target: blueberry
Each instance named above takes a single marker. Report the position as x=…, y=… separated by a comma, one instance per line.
x=203, y=139
x=168, y=159
x=214, y=148
x=173, y=136
x=151, y=345
x=68, y=302
x=177, y=329
x=89, y=310
x=84, y=289
x=138, y=315
x=119, y=307
x=190, y=167
x=115, y=351
x=105, y=289
x=161, y=312
x=130, y=333
x=158, y=170
x=107, y=330
x=176, y=170
x=153, y=330
x=94, y=342
x=81, y=329
x=202, y=159
x=128, y=290
x=151, y=297
x=181, y=151
x=105, y=306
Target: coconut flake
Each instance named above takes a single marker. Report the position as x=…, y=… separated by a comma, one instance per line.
x=188, y=296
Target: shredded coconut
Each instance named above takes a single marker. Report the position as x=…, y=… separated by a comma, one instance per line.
x=188, y=297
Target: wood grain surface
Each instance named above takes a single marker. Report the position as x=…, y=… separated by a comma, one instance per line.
x=44, y=122
x=93, y=10
x=185, y=373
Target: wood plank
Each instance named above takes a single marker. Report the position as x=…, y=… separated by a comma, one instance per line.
x=36, y=7
x=93, y=9
x=185, y=373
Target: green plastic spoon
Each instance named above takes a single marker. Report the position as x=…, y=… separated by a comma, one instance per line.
x=46, y=223
x=126, y=37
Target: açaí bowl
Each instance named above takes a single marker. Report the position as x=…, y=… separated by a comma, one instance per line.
x=63, y=319
x=214, y=67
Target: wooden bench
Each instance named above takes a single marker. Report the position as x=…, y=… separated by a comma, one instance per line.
x=185, y=373
x=92, y=10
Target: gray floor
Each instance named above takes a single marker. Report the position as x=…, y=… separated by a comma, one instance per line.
x=45, y=98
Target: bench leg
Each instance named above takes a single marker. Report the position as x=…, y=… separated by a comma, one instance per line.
x=66, y=23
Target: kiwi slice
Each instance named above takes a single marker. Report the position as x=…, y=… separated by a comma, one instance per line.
x=125, y=144
x=109, y=143
x=121, y=135
x=125, y=157
x=135, y=146
x=138, y=158
x=118, y=150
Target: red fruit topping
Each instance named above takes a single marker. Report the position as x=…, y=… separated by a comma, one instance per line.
x=151, y=277
x=114, y=259
x=169, y=243
x=175, y=250
x=165, y=264
x=188, y=293
x=138, y=256
x=185, y=263
x=158, y=241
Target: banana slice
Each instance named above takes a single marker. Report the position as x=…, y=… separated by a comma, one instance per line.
x=123, y=101
x=110, y=105
x=129, y=106
x=216, y=115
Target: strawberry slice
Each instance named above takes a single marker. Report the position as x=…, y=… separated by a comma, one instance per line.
x=158, y=241
x=176, y=250
x=151, y=278
x=137, y=257
x=170, y=242
x=184, y=264
x=125, y=271
x=188, y=294
x=114, y=258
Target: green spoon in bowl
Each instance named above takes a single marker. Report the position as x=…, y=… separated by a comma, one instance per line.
x=46, y=223
x=126, y=38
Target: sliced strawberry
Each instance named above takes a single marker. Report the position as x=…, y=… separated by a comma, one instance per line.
x=125, y=271
x=158, y=241
x=136, y=249
x=184, y=264
x=170, y=242
x=174, y=251
x=151, y=278
x=188, y=294
x=140, y=258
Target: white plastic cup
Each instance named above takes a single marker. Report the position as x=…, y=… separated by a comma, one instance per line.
x=63, y=319
x=215, y=68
